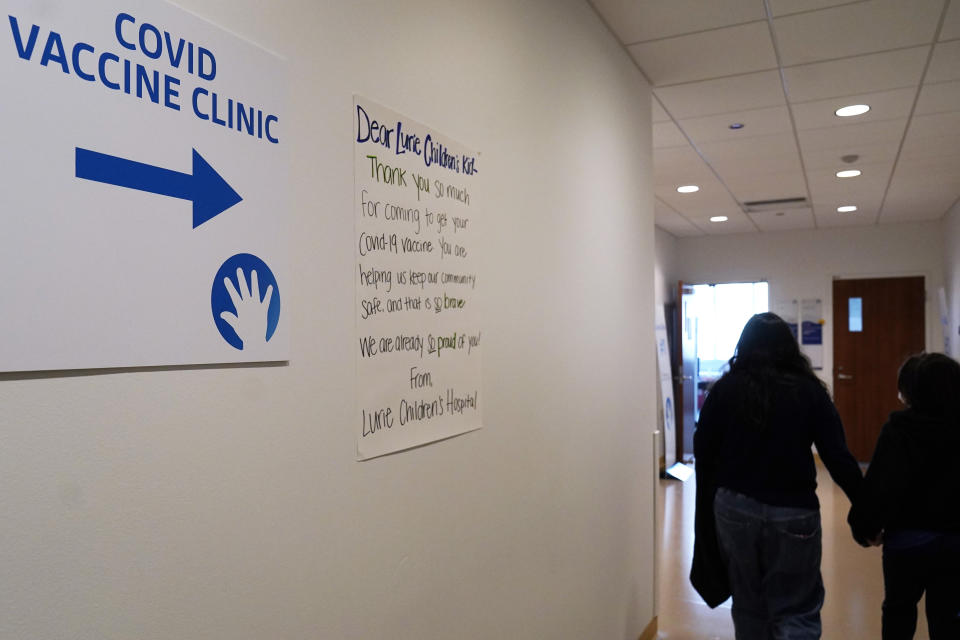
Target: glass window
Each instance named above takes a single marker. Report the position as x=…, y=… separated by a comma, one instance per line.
x=856, y=314
x=721, y=311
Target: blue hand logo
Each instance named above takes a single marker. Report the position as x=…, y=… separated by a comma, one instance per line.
x=244, y=317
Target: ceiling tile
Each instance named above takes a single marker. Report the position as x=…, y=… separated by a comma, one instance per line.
x=945, y=64
x=860, y=74
x=787, y=220
x=661, y=208
x=829, y=218
x=737, y=222
x=757, y=122
x=788, y=7
x=937, y=98
x=710, y=54
x=836, y=52
x=865, y=201
x=884, y=105
x=907, y=207
x=712, y=199
x=657, y=114
x=870, y=153
x=681, y=229
x=854, y=29
x=766, y=186
x=724, y=95
x=907, y=213
x=667, y=134
x=935, y=191
x=934, y=125
x=652, y=19
x=866, y=209
x=759, y=154
x=920, y=190
x=668, y=219
x=933, y=139
x=825, y=186
x=678, y=166
x=951, y=26
x=849, y=136
x=941, y=149
x=928, y=175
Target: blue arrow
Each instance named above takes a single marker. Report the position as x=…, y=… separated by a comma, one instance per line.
x=210, y=193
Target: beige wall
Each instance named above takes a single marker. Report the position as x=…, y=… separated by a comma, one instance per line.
x=665, y=273
x=215, y=503
x=951, y=263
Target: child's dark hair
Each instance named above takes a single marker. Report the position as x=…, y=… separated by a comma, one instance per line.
x=907, y=378
x=937, y=385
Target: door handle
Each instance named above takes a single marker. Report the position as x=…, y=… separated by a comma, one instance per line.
x=844, y=376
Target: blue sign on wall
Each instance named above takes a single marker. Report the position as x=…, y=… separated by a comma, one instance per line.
x=245, y=301
x=812, y=332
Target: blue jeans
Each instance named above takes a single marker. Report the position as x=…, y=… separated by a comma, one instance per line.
x=773, y=558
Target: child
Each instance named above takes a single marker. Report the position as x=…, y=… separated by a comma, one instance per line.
x=911, y=500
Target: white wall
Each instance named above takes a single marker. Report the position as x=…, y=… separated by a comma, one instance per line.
x=951, y=272
x=802, y=264
x=665, y=271
x=227, y=503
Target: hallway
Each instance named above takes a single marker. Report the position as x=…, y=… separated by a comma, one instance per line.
x=852, y=575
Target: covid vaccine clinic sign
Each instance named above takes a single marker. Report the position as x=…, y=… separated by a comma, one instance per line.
x=144, y=201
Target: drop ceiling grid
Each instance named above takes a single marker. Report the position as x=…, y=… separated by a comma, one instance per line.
x=825, y=185
x=669, y=219
x=855, y=75
x=635, y=22
x=951, y=25
x=869, y=154
x=788, y=220
x=722, y=52
x=884, y=105
x=938, y=98
x=849, y=30
x=701, y=85
x=789, y=7
x=945, y=65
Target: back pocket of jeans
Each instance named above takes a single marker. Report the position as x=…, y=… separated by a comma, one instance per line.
x=801, y=528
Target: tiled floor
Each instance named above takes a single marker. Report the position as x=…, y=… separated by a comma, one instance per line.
x=852, y=575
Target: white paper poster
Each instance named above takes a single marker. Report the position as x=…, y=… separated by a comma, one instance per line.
x=418, y=324
x=666, y=388
x=144, y=189
x=789, y=312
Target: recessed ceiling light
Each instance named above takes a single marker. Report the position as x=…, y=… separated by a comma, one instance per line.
x=719, y=219
x=736, y=125
x=849, y=173
x=688, y=188
x=846, y=208
x=852, y=110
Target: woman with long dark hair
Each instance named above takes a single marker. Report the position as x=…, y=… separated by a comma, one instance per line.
x=756, y=483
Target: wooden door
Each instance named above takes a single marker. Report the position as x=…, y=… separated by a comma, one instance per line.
x=877, y=323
